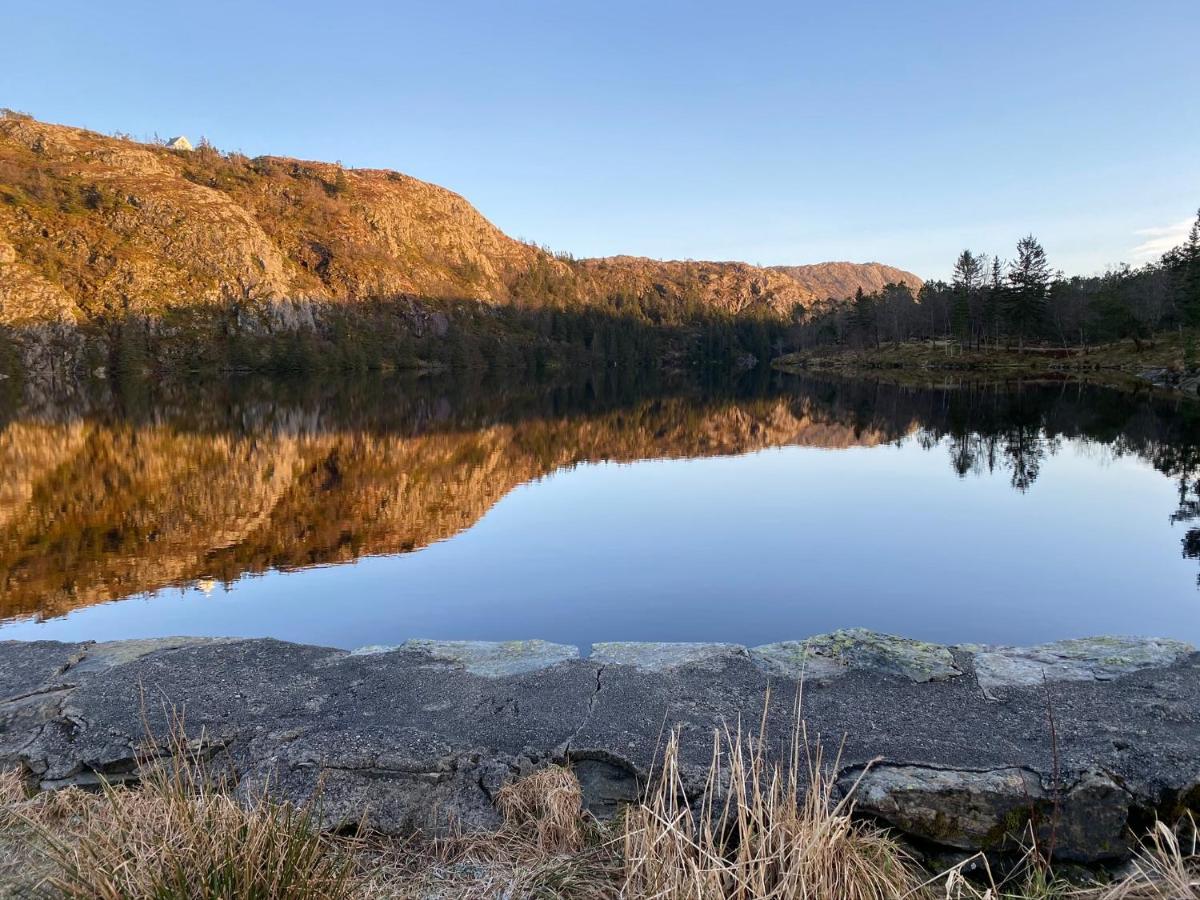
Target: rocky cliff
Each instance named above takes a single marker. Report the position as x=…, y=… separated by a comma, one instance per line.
x=96, y=228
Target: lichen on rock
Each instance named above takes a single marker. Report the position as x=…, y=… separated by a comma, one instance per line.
x=1078, y=659
x=826, y=656
x=495, y=659
x=659, y=656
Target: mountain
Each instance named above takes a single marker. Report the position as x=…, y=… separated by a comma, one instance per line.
x=96, y=228
x=841, y=279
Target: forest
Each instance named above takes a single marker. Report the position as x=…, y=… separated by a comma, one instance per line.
x=991, y=302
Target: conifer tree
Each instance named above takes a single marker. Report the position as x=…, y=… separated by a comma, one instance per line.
x=1029, y=282
x=1187, y=264
x=968, y=278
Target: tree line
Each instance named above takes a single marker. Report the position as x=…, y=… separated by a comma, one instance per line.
x=991, y=303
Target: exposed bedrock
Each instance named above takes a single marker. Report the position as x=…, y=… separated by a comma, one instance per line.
x=950, y=745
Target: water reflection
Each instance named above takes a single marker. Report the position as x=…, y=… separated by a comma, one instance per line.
x=118, y=496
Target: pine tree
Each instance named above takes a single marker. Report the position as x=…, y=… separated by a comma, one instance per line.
x=1187, y=264
x=968, y=278
x=866, y=317
x=993, y=302
x=1029, y=282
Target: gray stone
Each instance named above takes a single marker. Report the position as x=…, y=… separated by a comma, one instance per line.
x=423, y=736
x=652, y=656
x=998, y=809
x=100, y=657
x=606, y=784
x=1174, y=378
x=494, y=659
x=1082, y=659
x=826, y=656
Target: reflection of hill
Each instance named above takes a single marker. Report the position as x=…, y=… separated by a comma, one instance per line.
x=93, y=511
x=101, y=506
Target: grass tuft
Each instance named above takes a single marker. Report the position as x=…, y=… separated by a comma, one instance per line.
x=546, y=806
x=179, y=836
x=12, y=787
x=779, y=833
x=1163, y=868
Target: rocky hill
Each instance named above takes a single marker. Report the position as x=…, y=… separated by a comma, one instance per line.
x=96, y=228
x=841, y=279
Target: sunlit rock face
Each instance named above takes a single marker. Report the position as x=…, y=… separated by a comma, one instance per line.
x=92, y=223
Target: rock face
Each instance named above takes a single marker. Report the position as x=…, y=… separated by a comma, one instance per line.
x=421, y=736
x=92, y=226
x=841, y=279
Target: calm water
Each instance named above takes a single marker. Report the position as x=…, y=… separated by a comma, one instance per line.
x=368, y=513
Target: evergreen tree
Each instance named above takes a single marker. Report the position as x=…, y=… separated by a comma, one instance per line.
x=1185, y=261
x=967, y=280
x=993, y=302
x=1029, y=282
x=866, y=321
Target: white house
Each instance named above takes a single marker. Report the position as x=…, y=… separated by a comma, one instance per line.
x=180, y=143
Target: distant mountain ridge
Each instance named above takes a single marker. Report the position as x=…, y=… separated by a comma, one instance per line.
x=841, y=279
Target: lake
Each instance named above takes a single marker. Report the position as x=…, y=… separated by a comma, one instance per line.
x=373, y=511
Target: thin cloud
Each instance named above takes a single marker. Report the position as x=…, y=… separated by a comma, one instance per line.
x=1161, y=239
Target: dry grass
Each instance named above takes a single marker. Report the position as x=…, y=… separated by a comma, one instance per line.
x=760, y=831
x=12, y=787
x=1030, y=879
x=546, y=806
x=486, y=867
x=178, y=835
x=547, y=848
x=1163, y=869
x=779, y=833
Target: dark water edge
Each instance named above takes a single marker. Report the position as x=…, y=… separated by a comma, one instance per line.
x=125, y=488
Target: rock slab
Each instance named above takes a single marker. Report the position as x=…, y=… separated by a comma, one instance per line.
x=951, y=746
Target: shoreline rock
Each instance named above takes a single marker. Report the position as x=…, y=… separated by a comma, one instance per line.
x=952, y=744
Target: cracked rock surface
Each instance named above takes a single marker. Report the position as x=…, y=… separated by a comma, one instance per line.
x=949, y=745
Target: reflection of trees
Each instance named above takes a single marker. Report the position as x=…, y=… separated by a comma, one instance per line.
x=983, y=437
x=1189, y=511
x=1018, y=427
x=1186, y=467
x=1025, y=450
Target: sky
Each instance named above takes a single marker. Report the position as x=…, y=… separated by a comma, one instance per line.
x=772, y=132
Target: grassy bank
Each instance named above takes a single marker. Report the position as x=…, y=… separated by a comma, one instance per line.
x=1119, y=362
x=180, y=835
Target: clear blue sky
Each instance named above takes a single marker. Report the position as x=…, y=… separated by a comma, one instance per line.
x=775, y=132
